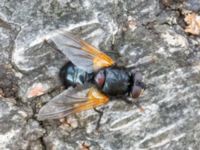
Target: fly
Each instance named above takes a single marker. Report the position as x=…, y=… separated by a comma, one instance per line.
x=88, y=65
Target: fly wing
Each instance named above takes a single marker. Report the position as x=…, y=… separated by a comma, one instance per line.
x=60, y=106
x=65, y=104
x=82, y=54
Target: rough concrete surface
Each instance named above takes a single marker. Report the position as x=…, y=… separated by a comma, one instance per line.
x=136, y=30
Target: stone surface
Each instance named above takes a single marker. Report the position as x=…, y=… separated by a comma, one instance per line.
x=138, y=31
x=17, y=129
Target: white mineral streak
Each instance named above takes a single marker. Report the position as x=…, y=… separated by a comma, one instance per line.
x=48, y=34
x=162, y=51
x=6, y=138
x=167, y=132
x=18, y=55
x=174, y=39
x=134, y=123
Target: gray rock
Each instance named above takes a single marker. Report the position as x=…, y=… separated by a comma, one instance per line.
x=8, y=81
x=17, y=130
x=193, y=5
x=139, y=31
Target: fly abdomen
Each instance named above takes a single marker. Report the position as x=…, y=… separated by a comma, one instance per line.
x=71, y=75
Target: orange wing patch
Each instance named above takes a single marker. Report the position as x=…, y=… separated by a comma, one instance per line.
x=95, y=99
x=100, y=59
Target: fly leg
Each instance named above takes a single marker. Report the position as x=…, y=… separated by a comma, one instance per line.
x=131, y=102
x=135, y=102
x=100, y=112
x=144, y=61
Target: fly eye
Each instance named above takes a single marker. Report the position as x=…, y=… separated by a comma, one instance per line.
x=137, y=80
x=136, y=90
x=138, y=76
x=138, y=85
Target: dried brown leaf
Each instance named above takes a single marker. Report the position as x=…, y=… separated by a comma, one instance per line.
x=36, y=90
x=193, y=21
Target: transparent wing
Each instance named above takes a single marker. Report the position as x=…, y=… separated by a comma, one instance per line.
x=67, y=103
x=82, y=54
x=61, y=105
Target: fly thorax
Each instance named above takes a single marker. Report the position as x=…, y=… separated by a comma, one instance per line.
x=99, y=79
x=113, y=81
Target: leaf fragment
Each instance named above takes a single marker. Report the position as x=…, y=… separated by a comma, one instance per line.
x=193, y=21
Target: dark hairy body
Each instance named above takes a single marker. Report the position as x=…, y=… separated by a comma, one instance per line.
x=112, y=81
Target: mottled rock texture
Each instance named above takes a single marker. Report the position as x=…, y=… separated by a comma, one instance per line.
x=136, y=30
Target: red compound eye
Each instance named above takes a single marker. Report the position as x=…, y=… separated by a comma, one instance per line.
x=136, y=90
x=100, y=78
